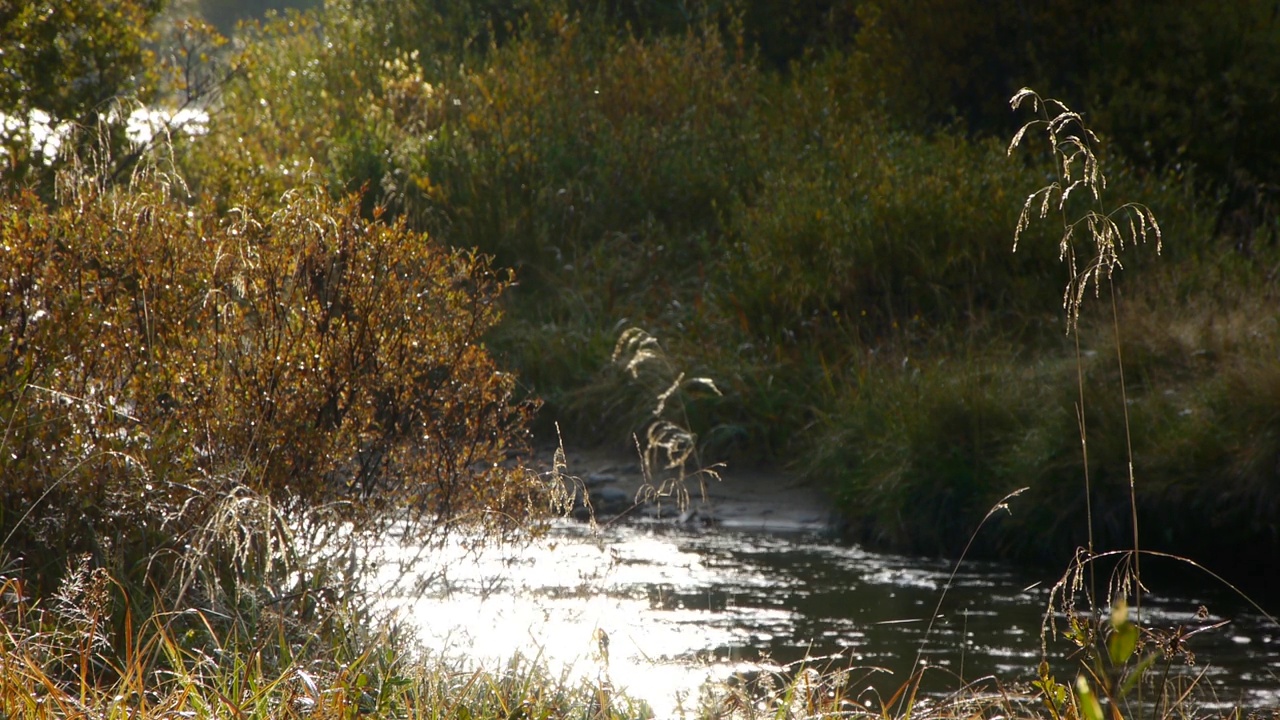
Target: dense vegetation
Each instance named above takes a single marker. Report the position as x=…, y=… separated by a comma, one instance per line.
x=829, y=240
x=214, y=414
x=292, y=322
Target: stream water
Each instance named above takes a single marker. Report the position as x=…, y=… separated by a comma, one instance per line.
x=683, y=606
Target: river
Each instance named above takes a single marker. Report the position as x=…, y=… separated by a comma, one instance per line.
x=684, y=606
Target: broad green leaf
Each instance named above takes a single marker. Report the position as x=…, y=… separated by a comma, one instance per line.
x=1055, y=693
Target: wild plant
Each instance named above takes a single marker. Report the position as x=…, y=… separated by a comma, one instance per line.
x=1104, y=231
x=669, y=452
x=56, y=662
x=1118, y=651
x=810, y=688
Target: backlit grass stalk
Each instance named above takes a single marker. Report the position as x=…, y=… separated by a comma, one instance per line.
x=917, y=666
x=1074, y=149
x=669, y=442
x=1078, y=169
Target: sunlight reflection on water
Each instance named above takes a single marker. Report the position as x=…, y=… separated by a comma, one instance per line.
x=682, y=607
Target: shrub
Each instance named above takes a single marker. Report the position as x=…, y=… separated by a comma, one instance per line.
x=567, y=131
x=590, y=160
x=168, y=369
x=295, y=108
x=859, y=230
x=876, y=230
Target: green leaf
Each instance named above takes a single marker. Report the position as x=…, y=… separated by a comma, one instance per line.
x=1124, y=637
x=1088, y=701
x=1055, y=693
x=1122, y=643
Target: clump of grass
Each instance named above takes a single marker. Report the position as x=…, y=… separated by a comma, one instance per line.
x=55, y=663
x=925, y=448
x=830, y=688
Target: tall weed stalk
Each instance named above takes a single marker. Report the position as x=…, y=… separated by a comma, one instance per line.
x=1093, y=237
x=1074, y=149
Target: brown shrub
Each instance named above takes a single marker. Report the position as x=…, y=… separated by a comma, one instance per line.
x=158, y=358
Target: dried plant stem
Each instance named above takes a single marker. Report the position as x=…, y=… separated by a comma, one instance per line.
x=1128, y=442
x=1084, y=451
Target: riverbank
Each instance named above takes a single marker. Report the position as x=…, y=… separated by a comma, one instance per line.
x=1040, y=529
x=610, y=485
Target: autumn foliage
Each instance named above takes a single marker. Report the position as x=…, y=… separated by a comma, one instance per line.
x=159, y=357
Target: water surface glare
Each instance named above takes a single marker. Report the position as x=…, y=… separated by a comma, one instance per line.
x=682, y=606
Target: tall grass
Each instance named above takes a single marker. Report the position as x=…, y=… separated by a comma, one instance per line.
x=1094, y=224
x=1119, y=651
x=54, y=664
